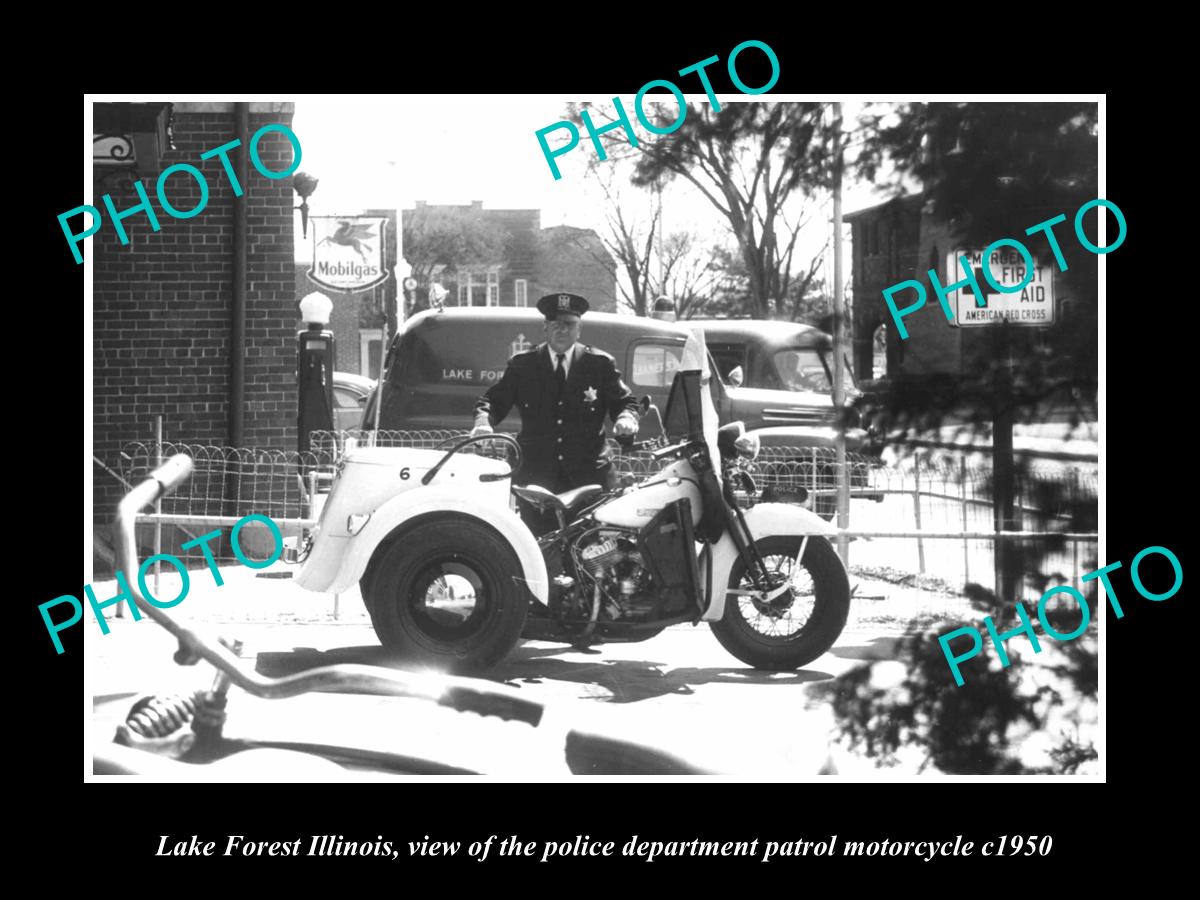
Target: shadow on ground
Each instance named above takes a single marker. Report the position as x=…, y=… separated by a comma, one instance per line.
x=618, y=680
x=874, y=649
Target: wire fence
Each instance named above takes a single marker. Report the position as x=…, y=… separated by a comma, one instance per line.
x=940, y=493
x=933, y=493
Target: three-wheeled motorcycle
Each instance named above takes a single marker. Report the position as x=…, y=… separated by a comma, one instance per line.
x=453, y=578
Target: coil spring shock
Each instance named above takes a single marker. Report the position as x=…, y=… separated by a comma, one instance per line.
x=159, y=717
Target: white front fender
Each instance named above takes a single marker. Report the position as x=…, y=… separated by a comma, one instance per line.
x=338, y=558
x=764, y=520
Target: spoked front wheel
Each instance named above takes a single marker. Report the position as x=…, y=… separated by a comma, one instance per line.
x=803, y=621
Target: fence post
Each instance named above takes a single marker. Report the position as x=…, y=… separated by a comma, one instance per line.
x=813, y=473
x=158, y=454
x=917, y=511
x=962, y=474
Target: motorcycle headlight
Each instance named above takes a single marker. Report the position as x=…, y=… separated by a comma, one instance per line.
x=747, y=446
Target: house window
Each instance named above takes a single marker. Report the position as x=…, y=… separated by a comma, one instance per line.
x=479, y=288
x=521, y=286
x=370, y=351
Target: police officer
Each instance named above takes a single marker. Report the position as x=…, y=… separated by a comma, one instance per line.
x=563, y=390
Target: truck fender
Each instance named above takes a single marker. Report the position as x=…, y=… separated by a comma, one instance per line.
x=764, y=520
x=350, y=554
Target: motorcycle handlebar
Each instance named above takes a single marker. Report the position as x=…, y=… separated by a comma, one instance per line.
x=458, y=693
x=174, y=472
x=668, y=451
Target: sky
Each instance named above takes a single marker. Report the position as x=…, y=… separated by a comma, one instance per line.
x=389, y=151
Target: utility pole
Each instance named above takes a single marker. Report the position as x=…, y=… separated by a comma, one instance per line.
x=839, y=339
x=662, y=262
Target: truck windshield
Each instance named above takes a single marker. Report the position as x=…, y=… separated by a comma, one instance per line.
x=809, y=369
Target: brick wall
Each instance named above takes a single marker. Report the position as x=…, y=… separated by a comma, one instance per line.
x=162, y=303
x=345, y=319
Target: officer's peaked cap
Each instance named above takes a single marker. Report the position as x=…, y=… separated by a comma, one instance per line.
x=552, y=305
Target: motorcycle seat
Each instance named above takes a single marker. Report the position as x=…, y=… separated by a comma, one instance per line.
x=579, y=496
x=566, y=501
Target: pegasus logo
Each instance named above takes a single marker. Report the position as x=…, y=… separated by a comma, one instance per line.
x=353, y=236
x=348, y=252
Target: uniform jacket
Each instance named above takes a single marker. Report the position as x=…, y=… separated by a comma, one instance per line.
x=565, y=431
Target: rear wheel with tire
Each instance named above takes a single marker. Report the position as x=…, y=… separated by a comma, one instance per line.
x=796, y=627
x=448, y=593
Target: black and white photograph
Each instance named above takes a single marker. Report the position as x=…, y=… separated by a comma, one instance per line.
x=697, y=432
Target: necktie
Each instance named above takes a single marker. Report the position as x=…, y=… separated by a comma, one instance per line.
x=560, y=374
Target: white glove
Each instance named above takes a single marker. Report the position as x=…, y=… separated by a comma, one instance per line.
x=625, y=426
x=481, y=427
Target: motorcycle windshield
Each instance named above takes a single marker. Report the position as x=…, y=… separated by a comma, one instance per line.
x=691, y=414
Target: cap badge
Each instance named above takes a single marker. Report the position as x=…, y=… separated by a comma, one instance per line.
x=564, y=301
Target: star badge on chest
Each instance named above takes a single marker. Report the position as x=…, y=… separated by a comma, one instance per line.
x=589, y=395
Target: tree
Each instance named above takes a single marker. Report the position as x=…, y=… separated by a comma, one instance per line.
x=449, y=236
x=630, y=240
x=804, y=298
x=748, y=160
x=682, y=268
x=980, y=164
x=691, y=273
x=987, y=170
x=990, y=170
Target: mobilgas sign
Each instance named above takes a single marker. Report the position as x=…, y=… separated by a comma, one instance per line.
x=348, y=252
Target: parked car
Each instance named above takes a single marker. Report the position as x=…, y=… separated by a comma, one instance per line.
x=350, y=394
x=785, y=356
x=440, y=362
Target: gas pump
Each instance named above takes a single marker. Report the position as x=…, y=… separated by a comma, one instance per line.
x=316, y=358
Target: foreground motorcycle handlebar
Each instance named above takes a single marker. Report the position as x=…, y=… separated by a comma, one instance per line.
x=459, y=693
x=585, y=750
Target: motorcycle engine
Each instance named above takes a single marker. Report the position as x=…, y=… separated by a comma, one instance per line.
x=611, y=558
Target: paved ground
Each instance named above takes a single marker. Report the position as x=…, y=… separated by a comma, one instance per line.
x=680, y=690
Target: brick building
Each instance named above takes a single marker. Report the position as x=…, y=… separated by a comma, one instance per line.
x=164, y=314
x=535, y=261
x=901, y=239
